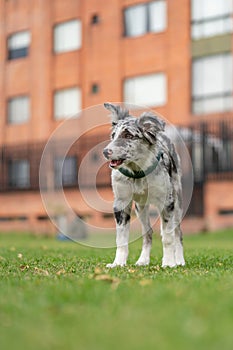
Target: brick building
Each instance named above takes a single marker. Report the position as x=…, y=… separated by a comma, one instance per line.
x=58, y=57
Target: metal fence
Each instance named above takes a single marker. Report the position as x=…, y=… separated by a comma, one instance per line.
x=19, y=165
x=210, y=145
x=211, y=150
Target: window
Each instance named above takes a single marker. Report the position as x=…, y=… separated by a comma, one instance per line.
x=143, y=18
x=157, y=16
x=18, y=45
x=67, y=36
x=212, y=84
x=211, y=17
x=65, y=171
x=18, y=110
x=149, y=90
x=135, y=20
x=67, y=103
x=19, y=173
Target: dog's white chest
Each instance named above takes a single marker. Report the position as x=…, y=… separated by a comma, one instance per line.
x=150, y=190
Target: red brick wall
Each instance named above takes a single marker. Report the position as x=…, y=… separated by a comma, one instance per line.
x=218, y=196
x=106, y=58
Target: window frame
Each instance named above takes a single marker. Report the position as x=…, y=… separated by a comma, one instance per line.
x=223, y=94
x=13, y=181
x=18, y=97
x=79, y=101
x=22, y=52
x=60, y=161
x=126, y=9
x=79, y=38
x=205, y=20
x=148, y=22
x=155, y=105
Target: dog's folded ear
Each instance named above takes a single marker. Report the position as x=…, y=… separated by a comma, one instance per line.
x=117, y=112
x=150, y=125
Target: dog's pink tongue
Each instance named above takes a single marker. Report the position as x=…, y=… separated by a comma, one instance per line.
x=116, y=162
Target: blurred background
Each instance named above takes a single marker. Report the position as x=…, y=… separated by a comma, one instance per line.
x=60, y=57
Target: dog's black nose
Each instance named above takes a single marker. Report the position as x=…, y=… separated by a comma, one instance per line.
x=107, y=152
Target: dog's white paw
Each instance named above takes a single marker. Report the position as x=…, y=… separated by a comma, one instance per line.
x=168, y=262
x=115, y=264
x=168, y=265
x=179, y=256
x=110, y=266
x=172, y=263
x=180, y=262
x=142, y=262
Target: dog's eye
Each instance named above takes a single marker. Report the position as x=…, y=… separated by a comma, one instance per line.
x=127, y=135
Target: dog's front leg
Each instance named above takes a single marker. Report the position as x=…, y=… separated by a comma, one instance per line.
x=122, y=216
x=143, y=215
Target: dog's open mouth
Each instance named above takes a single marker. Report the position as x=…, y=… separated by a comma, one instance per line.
x=115, y=163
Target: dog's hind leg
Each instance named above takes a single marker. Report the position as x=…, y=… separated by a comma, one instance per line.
x=172, y=243
x=172, y=235
x=179, y=255
x=168, y=239
x=143, y=215
x=178, y=213
x=122, y=216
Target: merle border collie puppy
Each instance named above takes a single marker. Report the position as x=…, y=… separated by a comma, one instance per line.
x=145, y=170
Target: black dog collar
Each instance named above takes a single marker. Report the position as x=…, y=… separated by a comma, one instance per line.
x=140, y=174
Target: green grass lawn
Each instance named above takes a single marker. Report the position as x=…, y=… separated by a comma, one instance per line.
x=59, y=295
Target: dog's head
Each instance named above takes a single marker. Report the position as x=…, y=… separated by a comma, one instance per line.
x=131, y=137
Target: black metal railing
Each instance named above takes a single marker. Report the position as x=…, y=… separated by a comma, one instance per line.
x=210, y=145
x=24, y=161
